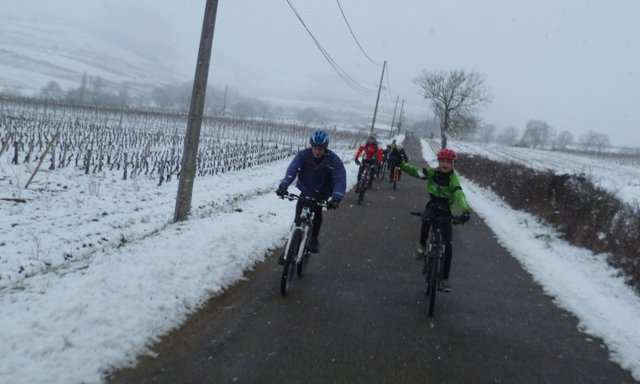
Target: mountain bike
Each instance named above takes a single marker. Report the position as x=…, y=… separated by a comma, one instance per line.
x=296, y=254
x=433, y=265
x=365, y=179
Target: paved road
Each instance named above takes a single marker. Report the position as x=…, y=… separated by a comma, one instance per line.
x=360, y=315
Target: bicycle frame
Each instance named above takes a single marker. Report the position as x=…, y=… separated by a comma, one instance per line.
x=436, y=245
x=305, y=219
x=365, y=179
x=434, y=262
x=299, y=237
x=367, y=173
x=433, y=265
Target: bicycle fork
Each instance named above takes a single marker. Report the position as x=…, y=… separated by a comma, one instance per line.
x=303, y=241
x=435, y=249
x=304, y=228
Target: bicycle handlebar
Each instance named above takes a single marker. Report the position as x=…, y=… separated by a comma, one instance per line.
x=318, y=202
x=371, y=162
x=455, y=220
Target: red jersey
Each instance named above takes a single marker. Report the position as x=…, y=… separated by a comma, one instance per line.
x=369, y=151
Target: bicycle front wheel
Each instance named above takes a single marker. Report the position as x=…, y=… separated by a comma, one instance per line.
x=426, y=272
x=433, y=282
x=286, y=281
x=302, y=265
x=363, y=189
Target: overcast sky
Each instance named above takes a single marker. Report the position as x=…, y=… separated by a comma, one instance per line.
x=572, y=64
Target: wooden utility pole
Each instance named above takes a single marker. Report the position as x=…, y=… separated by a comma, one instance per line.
x=393, y=119
x=375, y=111
x=192, y=138
x=400, y=117
x=224, y=103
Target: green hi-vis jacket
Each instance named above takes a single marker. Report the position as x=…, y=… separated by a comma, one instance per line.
x=441, y=187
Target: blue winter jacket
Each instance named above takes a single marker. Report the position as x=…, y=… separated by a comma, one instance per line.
x=322, y=177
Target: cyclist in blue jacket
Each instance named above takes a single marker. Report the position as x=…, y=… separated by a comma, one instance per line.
x=320, y=175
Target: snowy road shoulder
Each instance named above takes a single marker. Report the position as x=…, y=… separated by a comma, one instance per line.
x=579, y=281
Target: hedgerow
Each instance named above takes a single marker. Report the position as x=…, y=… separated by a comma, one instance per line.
x=586, y=215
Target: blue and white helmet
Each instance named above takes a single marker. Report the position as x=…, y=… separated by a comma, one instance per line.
x=319, y=138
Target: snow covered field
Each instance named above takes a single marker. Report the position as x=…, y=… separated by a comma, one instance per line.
x=617, y=176
x=93, y=264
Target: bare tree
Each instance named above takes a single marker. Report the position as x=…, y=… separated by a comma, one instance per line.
x=486, y=132
x=456, y=96
x=466, y=125
x=509, y=136
x=564, y=139
x=52, y=91
x=594, y=141
x=124, y=94
x=536, y=134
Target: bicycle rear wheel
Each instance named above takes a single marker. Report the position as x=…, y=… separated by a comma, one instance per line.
x=288, y=271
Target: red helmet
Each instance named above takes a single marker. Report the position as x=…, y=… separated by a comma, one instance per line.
x=447, y=154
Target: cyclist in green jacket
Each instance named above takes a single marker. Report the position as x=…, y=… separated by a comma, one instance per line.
x=443, y=188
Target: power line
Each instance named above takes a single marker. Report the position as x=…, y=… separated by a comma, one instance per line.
x=353, y=84
x=388, y=88
x=353, y=34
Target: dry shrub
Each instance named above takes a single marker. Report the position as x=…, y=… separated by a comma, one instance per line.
x=586, y=215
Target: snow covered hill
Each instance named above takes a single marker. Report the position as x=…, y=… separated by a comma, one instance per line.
x=35, y=50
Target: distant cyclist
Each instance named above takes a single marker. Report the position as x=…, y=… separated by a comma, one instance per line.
x=320, y=175
x=395, y=156
x=385, y=153
x=372, y=154
x=444, y=192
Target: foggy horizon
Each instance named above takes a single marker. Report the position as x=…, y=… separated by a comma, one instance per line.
x=570, y=65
